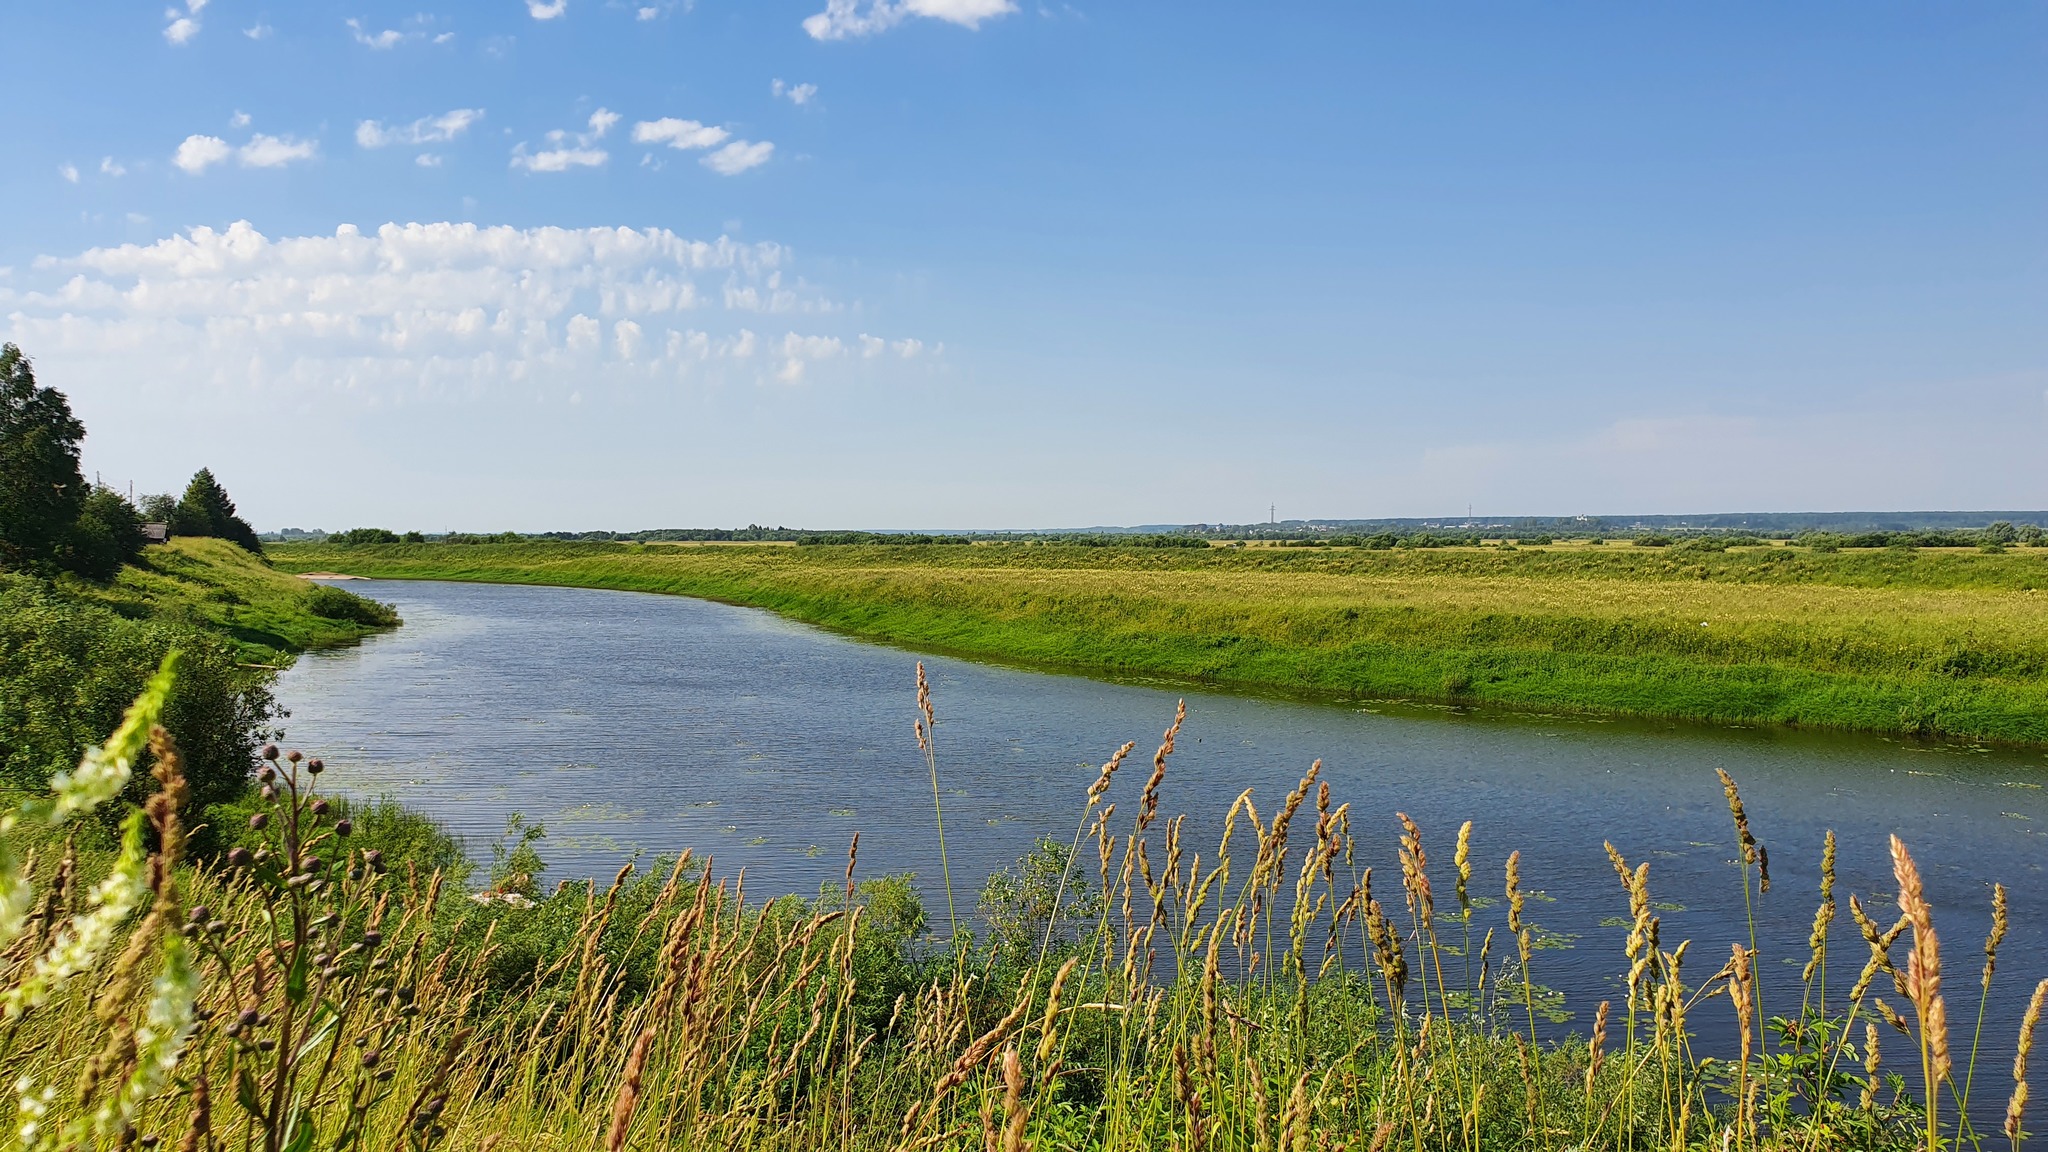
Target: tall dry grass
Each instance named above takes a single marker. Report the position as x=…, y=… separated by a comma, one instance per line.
x=1263, y=992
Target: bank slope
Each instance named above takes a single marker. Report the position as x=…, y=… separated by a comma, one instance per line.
x=1933, y=643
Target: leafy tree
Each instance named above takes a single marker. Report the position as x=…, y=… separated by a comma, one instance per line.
x=205, y=510
x=41, y=488
x=364, y=536
x=108, y=534
x=161, y=508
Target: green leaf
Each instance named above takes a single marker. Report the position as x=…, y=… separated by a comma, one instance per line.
x=245, y=1093
x=295, y=980
x=302, y=1133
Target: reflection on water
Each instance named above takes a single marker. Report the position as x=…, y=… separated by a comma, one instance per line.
x=633, y=725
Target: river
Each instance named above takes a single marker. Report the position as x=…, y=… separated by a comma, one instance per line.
x=632, y=726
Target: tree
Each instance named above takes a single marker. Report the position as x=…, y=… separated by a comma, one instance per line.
x=41, y=488
x=206, y=510
x=108, y=534
x=160, y=508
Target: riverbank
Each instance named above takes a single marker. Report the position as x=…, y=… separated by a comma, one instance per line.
x=1934, y=642
x=270, y=614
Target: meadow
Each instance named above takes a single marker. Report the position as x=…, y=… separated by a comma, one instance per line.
x=1924, y=642
x=332, y=981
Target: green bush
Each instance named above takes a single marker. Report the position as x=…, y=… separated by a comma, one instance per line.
x=107, y=535
x=67, y=670
x=340, y=604
x=356, y=536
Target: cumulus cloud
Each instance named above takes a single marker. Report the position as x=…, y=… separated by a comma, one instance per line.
x=426, y=130
x=647, y=13
x=546, y=9
x=239, y=120
x=258, y=31
x=739, y=156
x=382, y=41
x=846, y=19
x=183, y=25
x=428, y=160
x=275, y=151
x=411, y=312
x=69, y=172
x=111, y=167
x=679, y=134
x=558, y=159
x=797, y=94
x=198, y=153
x=565, y=154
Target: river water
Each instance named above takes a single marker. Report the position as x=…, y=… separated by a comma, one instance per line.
x=632, y=726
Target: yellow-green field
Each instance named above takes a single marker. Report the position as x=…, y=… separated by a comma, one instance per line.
x=1934, y=641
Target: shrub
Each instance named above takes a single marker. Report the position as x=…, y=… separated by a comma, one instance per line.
x=355, y=536
x=68, y=669
x=340, y=604
x=1653, y=541
x=108, y=534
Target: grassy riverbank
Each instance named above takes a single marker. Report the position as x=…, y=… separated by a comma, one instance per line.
x=1884, y=640
x=269, y=613
x=74, y=651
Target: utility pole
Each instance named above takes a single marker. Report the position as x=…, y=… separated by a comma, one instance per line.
x=1273, y=513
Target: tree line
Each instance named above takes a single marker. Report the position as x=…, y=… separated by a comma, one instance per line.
x=52, y=520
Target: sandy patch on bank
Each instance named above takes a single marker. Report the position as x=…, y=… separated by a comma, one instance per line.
x=329, y=576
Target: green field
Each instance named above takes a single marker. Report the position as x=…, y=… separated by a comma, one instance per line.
x=1927, y=642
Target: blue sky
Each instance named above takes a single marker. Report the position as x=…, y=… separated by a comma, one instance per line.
x=545, y=264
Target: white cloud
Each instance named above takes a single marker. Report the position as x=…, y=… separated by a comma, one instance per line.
x=843, y=19
x=110, y=167
x=258, y=31
x=798, y=94
x=381, y=41
x=584, y=153
x=679, y=134
x=406, y=313
x=239, y=120
x=275, y=151
x=426, y=130
x=872, y=346
x=69, y=172
x=908, y=349
x=558, y=159
x=184, y=25
x=647, y=13
x=427, y=160
x=739, y=156
x=626, y=336
x=546, y=9
x=198, y=153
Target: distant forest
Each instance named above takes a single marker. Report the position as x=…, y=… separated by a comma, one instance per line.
x=1728, y=529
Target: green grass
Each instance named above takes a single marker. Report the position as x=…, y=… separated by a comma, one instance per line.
x=1931, y=642
x=269, y=614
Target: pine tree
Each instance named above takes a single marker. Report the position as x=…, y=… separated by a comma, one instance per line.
x=206, y=510
x=41, y=488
